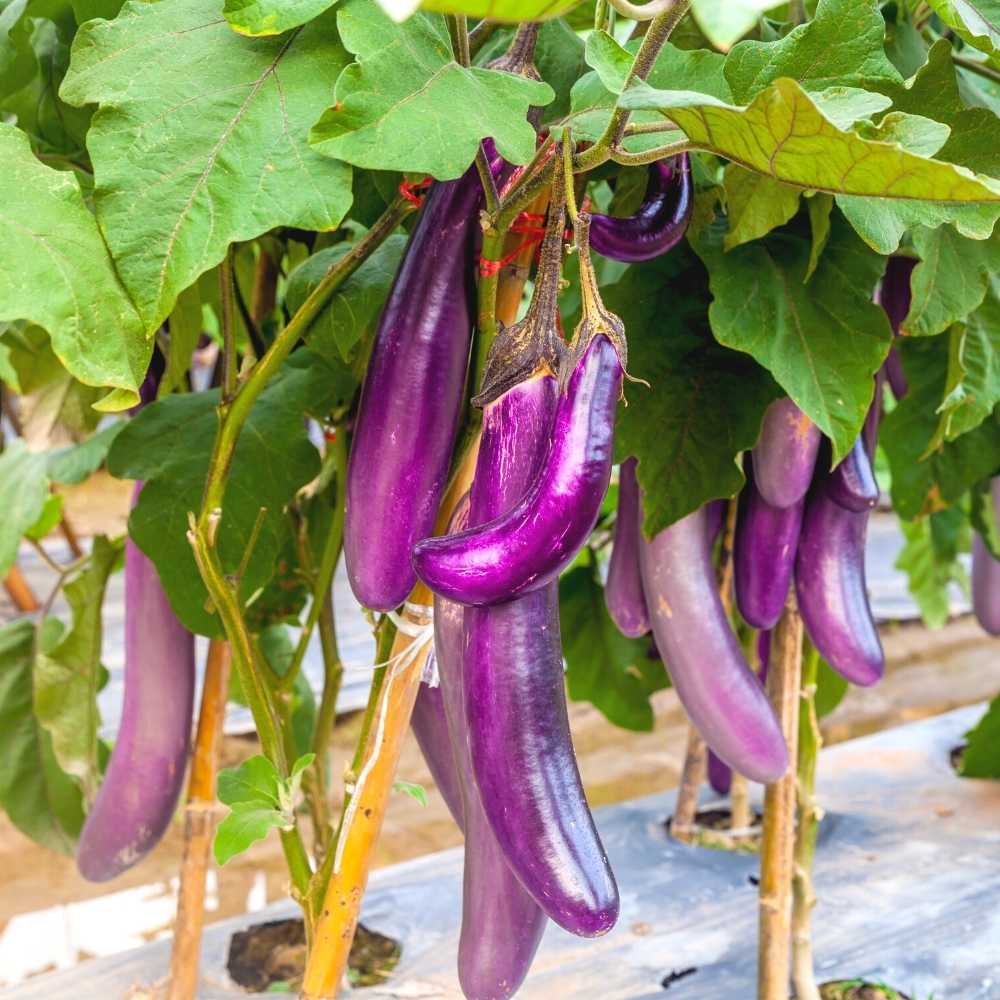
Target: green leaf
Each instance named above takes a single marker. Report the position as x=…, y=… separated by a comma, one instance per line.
x=913, y=132
x=822, y=340
x=930, y=560
x=77, y=462
x=705, y=403
x=200, y=138
x=40, y=799
x=8, y=373
x=186, y=324
x=24, y=490
x=17, y=58
x=819, y=207
x=755, y=204
x=950, y=281
x=610, y=61
x=412, y=789
x=243, y=827
x=845, y=106
x=66, y=675
x=925, y=482
x=981, y=757
x=495, y=10
x=169, y=444
x=842, y=45
x=394, y=109
x=342, y=330
x=603, y=667
x=830, y=689
x=725, y=23
x=256, y=781
x=31, y=356
x=983, y=516
x=48, y=519
x=58, y=273
x=785, y=135
x=271, y=17
x=977, y=21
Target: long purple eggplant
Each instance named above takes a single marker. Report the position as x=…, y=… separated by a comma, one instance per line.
x=430, y=726
x=723, y=698
x=502, y=924
x=143, y=781
x=411, y=400
x=623, y=591
x=986, y=575
x=894, y=295
x=764, y=556
x=785, y=454
x=660, y=222
x=852, y=484
x=527, y=547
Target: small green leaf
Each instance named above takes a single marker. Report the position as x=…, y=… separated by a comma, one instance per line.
x=981, y=757
x=603, y=667
x=611, y=62
x=920, y=135
x=24, y=490
x=412, y=789
x=983, y=515
x=394, y=109
x=271, y=17
x=244, y=826
x=66, y=676
x=930, y=560
x=831, y=688
x=755, y=204
x=977, y=21
x=256, y=781
x=77, y=462
x=295, y=779
x=495, y=10
x=48, y=519
x=819, y=207
x=726, y=23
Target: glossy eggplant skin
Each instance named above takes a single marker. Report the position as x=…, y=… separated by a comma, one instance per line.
x=986, y=575
x=852, y=484
x=764, y=556
x=526, y=548
x=894, y=295
x=660, y=222
x=430, y=726
x=785, y=454
x=623, y=590
x=515, y=701
x=411, y=400
x=831, y=589
x=723, y=698
x=143, y=781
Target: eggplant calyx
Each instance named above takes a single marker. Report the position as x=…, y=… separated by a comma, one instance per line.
x=519, y=57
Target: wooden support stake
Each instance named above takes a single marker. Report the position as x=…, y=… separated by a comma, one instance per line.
x=199, y=823
x=19, y=591
x=777, y=846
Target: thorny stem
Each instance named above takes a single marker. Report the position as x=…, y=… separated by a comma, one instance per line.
x=809, y=816
x=567, y=165
x=480, y=35
x=627, y=159
x=777, y=844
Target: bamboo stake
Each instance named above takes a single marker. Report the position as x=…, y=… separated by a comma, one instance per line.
x=777, y=845
x=19, y=591
x=809, y=816
x=199, y=822
x=740, y=816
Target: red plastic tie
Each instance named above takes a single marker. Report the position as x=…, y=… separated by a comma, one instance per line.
x=408, y=190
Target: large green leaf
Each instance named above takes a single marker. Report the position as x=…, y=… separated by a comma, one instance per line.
x=394, y=109
x=58, y=274
x=271, y=17
x=922, y=481
x=977, y=21
x=24, y=488
x=40, y=799
x=704, y=404
x=822, y=339
x=603, y=667
x=844, y=44
x=726, y=23
x=756, y=204
x=67, y=675
x=981, y=757
x=930, y=560
x=200, y=138
x=168, y=445
x=495, y=10
x=75, y=463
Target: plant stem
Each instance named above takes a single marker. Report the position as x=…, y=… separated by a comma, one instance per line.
x=480, y=35
x=809, y=816
x=627, y=159
x=976, y=66
x=199, y=821
x=600, y=15
x=228, y=330
x=783, y=681
x=458, y=29
x=797, y=11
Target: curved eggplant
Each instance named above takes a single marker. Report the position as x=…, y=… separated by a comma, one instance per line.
x=986, y=575
x=852, y=484
x=660, y=222
x=623, y=591
x=723, y=698
x=894, y=295
x=764, y=556
x=411, y=400
x=145, y=775
x=430, y=727
x=831, y=589
x=715, y=515
x=785, y=454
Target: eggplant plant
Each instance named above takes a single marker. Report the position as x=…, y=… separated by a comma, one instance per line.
x=400, y=287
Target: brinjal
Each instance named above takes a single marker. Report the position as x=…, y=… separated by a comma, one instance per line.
x=411, y=400
x=525, y=548
x=723, y=698
x=623, y=591
x=894, y=295
x=785, y=454
x=986, y=575
x=660, y=222
x=143, y=781
x=764, y=556
x=852, y=484
x=430, y=727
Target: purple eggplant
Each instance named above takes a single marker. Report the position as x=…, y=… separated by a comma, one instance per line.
x=894, y=295
x=831, y=589
x=623, y=592
x=411, y=400
x=852, y=484
x=986, y=575
x=145, y=775
x=527, y=547
x=764, y=556
x=723, y=698
x=430, y=727
x=785, y=454
x=715, y=515
x=658, y=225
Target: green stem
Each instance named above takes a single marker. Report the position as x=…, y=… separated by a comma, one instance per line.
x=228, y=331
x=480, y=35
x=628, y=159
x=976, y=66
x=601, y=15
